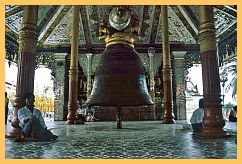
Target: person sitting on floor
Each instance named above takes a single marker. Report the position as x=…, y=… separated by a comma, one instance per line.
x=197, y=117
x=80, y=118
x=89, y=109
x=32, y=123
x=233, y=115
x=90, y=117
x=89, y=114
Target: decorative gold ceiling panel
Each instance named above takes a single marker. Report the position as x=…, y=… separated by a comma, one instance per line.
x=55, y=24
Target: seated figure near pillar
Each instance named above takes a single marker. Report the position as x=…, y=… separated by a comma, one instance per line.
x=89, y=114
x=32, y=122
x=197, y=117
x=80, y=118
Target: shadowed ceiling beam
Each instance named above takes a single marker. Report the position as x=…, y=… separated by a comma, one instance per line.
x=13, y=11
x=61, y=12
x=155, y=24
x=11, y=33
x=227, y=10
x=185, y=20
x=94, y=16
x=188, y=18
x=225, y=34
x=49, y=15
x=86, y=28
x=191, y=15
x=145, y=17
x=98, y=49
x=11, y=40
x=233, y=8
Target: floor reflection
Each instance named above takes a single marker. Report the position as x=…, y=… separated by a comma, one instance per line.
x=141, y=140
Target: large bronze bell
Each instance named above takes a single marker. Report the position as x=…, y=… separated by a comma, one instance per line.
x=120, y=79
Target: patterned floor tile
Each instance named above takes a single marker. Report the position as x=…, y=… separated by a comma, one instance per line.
x=137, y=140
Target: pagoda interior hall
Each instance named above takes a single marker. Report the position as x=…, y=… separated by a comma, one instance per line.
x=130, y=64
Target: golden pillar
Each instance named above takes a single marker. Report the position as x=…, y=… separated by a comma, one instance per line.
x=168, y=112
x=73, y=73
x=26, y=62
x=213, y=118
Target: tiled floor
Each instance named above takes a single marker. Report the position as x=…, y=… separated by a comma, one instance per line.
x=144, y=139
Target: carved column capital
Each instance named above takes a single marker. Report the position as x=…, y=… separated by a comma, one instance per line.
x=151, y=51
x=89, y=56
x=179, y=54
x=207, y=36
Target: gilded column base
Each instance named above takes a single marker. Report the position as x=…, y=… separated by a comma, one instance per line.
x=71, y=117
x=70, y=122
x=168, y=121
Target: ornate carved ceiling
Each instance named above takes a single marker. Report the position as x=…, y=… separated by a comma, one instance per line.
x=55, y=25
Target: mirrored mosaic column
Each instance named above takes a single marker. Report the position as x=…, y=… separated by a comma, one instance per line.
x=26, y=62
x=168, y=111
x=73, y=73
x=89, y=73
x=151, y=53
x=60, y=114
x=213, y=118
x=180, y=84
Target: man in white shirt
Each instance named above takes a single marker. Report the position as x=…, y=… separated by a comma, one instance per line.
x=32, y=122
x=197, y=117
